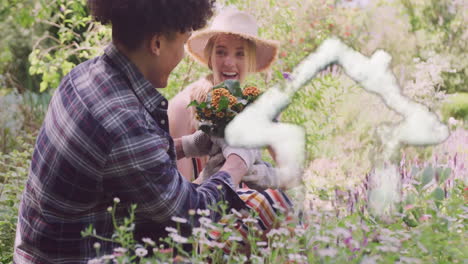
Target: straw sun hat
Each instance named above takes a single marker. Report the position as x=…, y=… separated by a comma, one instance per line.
x=233, y=21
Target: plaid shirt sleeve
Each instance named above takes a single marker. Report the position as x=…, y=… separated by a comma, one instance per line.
x=140, y=170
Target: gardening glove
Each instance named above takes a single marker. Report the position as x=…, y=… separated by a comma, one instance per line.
x=247, y=155
x=213, y=165
x=198, y=144
x=262, y=176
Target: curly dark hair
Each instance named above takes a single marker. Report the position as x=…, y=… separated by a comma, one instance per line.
x=133, y=20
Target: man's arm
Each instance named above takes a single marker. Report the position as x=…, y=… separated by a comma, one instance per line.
x=139, y=170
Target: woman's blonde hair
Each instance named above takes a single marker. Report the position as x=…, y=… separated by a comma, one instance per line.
x=250, y=50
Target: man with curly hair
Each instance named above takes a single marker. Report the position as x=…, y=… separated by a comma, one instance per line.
x=105, y=139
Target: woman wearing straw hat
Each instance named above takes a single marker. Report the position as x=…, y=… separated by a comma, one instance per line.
x=231, y=49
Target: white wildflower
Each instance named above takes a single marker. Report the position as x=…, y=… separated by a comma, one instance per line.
x=321, y=239
x=178, y=238
x=370, y=259
x=262, y=244
x=452, y=121
x=197, y=231
x=120, y=250
x=235, y=238
x=240, y=259
x=236, y=213
x=265, y=251
x=283, y=231
x=277, y=245
x=97, y=245
x=249, y=220
x=109, y=209
x=300, y=231
x=327, y=252
x=273, y=232
x=141, y=252
x=257, y=259
x=205, y=212
x=116, y=200
x=219, y=244
x=387, y=248
x=339, y=231
x=179, y=219
x=297, y=257
x=148, y=241
x=204, y=221
x=171, y=229
x=207, y=242
x=108, y=257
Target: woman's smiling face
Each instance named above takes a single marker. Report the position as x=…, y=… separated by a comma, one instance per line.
x=229, y=58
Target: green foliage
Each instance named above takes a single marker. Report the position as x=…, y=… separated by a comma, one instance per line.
x=72, y=37
x=16, y=43
x=313, y=110
x=426, y=232
x=13, y=174
x=456, y=107
x=20, y=115
x=441, y=27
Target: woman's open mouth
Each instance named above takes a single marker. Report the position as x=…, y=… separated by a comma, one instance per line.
x=229, y=75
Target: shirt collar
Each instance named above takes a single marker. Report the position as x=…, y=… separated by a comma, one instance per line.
x=144, y=90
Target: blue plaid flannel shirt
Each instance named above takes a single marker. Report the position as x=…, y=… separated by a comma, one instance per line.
x=105, y=135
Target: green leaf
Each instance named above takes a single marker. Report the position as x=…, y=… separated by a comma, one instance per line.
x=233, y=86
x=444, y=173
x=193, y=103
x=223, y=103
x=43, y=86
x=427, y=176
x=438, y=194
x=410, y=221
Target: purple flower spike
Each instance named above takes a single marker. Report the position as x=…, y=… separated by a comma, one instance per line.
x=287, y=76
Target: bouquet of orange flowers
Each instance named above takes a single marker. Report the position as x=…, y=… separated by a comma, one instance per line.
x=222, y=104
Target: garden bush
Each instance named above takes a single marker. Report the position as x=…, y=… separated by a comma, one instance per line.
x=456, y=107
x=14, y=168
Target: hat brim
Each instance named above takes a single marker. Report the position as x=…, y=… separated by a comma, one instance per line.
x=266, y=51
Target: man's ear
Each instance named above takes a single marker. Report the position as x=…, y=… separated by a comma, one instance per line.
x=155, y=45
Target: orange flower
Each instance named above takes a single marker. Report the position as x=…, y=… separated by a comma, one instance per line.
x=216, y=95
x=232, y=100
x=252, y=91
x=207, y=112
x=220, y=114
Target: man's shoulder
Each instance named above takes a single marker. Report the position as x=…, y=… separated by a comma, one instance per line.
x=107, y=95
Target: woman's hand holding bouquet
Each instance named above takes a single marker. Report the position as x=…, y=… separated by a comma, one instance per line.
x=222, y=104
